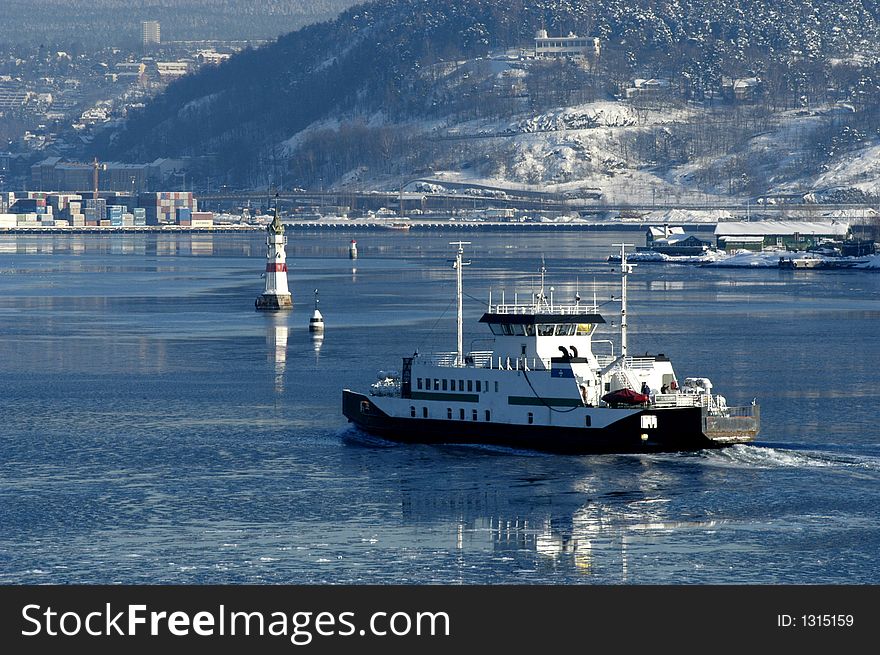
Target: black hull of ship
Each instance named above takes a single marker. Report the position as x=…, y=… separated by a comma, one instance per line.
x=679, y=429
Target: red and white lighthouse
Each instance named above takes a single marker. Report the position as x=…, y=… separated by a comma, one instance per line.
x=276, y=296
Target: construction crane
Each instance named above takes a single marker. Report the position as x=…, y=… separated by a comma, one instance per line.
x=96, y=166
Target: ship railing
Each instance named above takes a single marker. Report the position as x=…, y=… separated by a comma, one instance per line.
x=745, y=411
x=484, y=359
x=473, y=359
x=662, y=400
x=544, y=307
x=713, y=404
x=506, y=363
x=639, y=363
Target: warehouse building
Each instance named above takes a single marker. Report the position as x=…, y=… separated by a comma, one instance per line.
x=794, y=235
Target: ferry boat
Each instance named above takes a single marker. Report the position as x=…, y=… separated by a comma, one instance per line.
x=549, y=385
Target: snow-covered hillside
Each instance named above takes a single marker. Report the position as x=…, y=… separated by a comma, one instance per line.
x=596, y=146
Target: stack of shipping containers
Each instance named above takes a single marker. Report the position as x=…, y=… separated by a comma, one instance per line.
x=162, y=207
x=95, y=211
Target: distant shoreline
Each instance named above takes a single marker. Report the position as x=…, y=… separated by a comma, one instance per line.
x=353, y=225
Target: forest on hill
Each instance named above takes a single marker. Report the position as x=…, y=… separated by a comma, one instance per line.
x=368, y=89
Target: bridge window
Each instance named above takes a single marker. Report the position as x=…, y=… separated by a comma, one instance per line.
x=418, y=383
x=424, y=412
x=530, y=330
x=461, y=385
x=507, y=329
x=461, y=414
x=470, y=385
x=488, y=415
x=583, y=329
x=478, y=385
x=412, y=411
x=475, y=415
x=436, y=384
x=444, y=384
x=496, y=329
x=565, y=330
x=496, y=386
x=545, y=329
x=531, y=418
x=518, y=330
x=448, y=412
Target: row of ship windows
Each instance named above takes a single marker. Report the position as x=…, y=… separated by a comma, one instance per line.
x=450, y=385
x=461, y=413
x=541, y=329
x=474, y=414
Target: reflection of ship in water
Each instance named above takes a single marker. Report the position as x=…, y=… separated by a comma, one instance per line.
x=276, y=341
x=602, y=523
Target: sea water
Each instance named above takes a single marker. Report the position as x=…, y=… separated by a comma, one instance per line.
x=156, y=429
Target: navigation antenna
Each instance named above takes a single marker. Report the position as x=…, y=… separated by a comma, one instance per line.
x=459, y=358
x=542, y=299
x=625, y=269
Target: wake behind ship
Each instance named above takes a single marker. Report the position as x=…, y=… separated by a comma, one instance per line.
x=543, y=387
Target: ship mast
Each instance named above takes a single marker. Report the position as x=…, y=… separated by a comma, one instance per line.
x=459, y=358
x=625, y=269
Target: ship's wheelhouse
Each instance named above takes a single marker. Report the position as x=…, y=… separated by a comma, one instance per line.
x=542, y=335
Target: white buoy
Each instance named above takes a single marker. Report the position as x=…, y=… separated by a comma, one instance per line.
x=276, y=295
x=353, y=250
x=316, y=323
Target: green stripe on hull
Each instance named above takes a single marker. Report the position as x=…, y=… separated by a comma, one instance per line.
x=543, y=402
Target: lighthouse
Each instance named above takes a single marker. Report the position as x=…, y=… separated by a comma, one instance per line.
x=276, y=296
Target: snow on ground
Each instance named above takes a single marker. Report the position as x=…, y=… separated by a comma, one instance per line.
x=748, y=259
x=872, y=263
x=290, y=145
x=650, y=256
x=677, y=216
x=858, y=170
x=609, y=114
x=771, y=259
x=775, y=154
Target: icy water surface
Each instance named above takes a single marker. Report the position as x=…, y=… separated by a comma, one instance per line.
x=158, y=430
